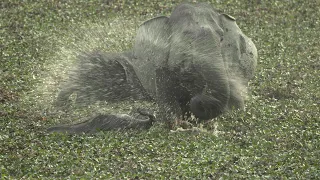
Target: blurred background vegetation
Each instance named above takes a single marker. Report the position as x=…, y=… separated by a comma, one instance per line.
x=277, y=137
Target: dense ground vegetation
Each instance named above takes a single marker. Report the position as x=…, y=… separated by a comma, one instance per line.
x=277, y=136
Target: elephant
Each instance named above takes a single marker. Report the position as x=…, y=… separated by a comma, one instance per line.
x=195, y=62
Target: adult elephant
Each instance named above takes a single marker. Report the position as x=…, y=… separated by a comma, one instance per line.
x=197, y=61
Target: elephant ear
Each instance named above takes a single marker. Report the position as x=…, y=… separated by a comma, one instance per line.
x=240, y=56
x=151, y=50
x=238, y=50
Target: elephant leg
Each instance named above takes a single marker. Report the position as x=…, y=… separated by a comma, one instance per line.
x=107, y=122
x=102, y=77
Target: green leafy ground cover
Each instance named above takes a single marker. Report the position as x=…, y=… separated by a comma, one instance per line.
x=276, y=137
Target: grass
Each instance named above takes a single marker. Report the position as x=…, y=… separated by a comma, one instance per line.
x=277, y=137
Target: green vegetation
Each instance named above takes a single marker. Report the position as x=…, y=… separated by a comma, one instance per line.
x=276, y=137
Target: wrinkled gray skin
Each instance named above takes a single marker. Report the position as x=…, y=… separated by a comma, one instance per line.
x=196, y=61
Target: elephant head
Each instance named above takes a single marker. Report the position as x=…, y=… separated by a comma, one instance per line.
x=196, y=60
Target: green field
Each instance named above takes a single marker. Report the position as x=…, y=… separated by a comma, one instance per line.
x=276, y=137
